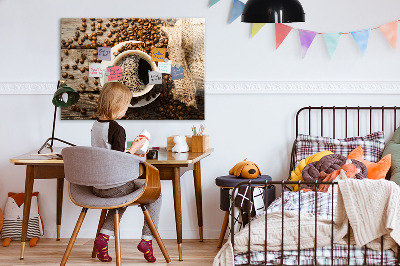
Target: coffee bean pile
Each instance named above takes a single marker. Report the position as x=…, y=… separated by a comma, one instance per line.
x=94, y=33
x=148, y=31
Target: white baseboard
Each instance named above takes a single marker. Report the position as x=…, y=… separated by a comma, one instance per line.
x=248, y=87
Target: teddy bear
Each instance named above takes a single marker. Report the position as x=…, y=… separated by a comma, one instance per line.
x=13, y=215
x=245, y=169
x=180, y=144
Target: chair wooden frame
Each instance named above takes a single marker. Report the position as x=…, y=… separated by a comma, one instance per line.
x=150, y=193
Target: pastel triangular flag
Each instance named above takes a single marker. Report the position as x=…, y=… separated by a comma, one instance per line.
x=256, y=28
x=390, y=32
x=281, y=31
x=361, y=37
x=306, y=39
x=332, y=41
x=237, y=9
x=213, y=2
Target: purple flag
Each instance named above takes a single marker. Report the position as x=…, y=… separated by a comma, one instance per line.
x=306, y=39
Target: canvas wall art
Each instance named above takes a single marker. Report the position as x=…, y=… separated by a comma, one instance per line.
x=160, y=60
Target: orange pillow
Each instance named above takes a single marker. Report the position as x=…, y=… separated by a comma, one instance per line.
x=375, y=170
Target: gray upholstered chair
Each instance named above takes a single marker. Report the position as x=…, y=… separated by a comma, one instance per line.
x=85, y=167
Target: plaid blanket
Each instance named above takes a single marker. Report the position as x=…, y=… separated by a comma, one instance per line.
x=323, y=205
x=324, y=257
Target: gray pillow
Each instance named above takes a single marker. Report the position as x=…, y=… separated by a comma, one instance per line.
x=393, y=148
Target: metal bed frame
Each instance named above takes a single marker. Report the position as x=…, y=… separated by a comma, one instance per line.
x=283, y=184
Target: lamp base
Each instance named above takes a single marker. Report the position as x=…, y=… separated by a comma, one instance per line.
x=50, y=146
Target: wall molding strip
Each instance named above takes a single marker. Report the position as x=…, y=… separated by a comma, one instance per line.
x=250, y=87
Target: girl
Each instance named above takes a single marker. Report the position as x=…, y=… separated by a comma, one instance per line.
x=107, y=133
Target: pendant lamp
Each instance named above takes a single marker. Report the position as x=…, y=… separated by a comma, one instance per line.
x=63, y=97
x=273, y=11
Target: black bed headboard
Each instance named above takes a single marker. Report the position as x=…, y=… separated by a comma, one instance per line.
x=346, y=112
x=344, y=121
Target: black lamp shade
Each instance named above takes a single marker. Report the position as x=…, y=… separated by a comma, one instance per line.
x=273, y=11
x=73, y=96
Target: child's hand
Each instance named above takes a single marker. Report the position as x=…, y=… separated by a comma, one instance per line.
x=137, y=144
x=143, y=155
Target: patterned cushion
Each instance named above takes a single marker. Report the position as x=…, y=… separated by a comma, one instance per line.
x=372, y=144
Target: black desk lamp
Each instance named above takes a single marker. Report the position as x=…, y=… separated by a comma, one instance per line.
x=273, y=11
x=60, y=101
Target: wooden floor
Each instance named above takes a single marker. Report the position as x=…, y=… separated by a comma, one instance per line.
x=50, y=252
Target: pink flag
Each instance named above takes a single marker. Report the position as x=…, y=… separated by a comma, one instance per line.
x=306, y=39
x=389, y=30
x=281, y=31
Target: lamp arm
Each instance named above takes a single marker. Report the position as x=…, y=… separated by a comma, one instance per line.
x=54, y=126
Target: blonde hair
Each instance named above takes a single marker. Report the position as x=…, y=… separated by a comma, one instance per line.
x=113, y=97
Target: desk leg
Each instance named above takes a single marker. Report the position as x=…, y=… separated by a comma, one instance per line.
x=176, y=182
x=199, y=204
x=27, y=206
x=60, y=190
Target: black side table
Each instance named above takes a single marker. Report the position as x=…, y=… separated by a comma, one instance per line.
x=226, y=183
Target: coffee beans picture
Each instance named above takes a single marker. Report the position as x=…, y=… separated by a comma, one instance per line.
x=80, y=39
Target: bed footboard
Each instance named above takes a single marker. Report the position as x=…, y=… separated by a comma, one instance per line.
x=383, y=258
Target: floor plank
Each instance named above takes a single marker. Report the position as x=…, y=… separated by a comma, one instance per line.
x=50, y=252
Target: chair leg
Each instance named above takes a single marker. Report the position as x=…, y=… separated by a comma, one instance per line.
x=117, y=239
x=223, y=229
x=154, y=230
x=73, y=237
x=101, y=222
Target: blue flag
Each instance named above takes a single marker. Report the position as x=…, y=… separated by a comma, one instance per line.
x=361, y=38
x=237, y=9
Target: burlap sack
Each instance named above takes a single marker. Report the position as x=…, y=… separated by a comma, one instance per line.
x=186, y=48
x=193, y=45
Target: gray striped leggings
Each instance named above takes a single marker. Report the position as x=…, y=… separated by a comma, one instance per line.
x=154, y=208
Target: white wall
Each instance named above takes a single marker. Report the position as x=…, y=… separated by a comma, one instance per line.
x=259, y=126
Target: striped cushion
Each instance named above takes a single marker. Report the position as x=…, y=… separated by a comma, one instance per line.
x=13, y=228
x=372, y=145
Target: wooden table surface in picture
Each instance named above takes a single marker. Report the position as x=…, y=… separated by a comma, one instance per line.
x=170, y=165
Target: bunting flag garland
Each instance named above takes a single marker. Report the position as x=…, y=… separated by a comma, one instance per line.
x=213, y=2
x=332, y=41
x=281, y=31
x=256, y=27
x=237, y=9
x=306, y=39
x=361, y=38
x=389, y=30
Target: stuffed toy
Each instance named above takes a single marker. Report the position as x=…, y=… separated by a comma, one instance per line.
x=1, y=220
x=296, y=174
x=180, y=144
x=13, y=215
x=245, y=169
x=375, y=170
